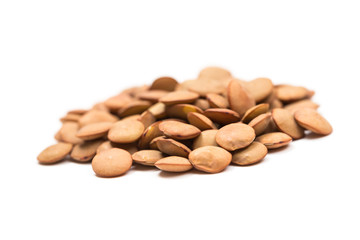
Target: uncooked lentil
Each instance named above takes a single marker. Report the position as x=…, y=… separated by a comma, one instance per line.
x=205, y=123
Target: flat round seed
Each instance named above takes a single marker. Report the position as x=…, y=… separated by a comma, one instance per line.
x=116, y=102
x=239, y=99
x=172, y=147
x=95, y=116
x=164, y=83
x=174, y=164
x=54, y=153
x=130, y=147
x=222, y=115
x=158, y=110
x=274, y=140
x=200, y=121
x=254, y=112
x=68, y=133
x=286, y=123
x=288, y=93
x=147, y=118
x=178, y=130
x=260, y=123
x=94, y=130
x=71, y=117
x=147, y=157
x=206, y=138
x=178, y=97
x=181, y=110
x=126, y=131
x=152, y=95
x=217, y=101
x=216, y=73
x=84, y=152
x=149, y=134
x=202, y=104
x=306, y=103
x=235, y=136
x=112, y=163
x=210, y=159
x=311, y=120
x=250, y=155
x=259, y=88
x=134, y=107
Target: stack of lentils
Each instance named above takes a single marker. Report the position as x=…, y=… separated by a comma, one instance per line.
x=206, y=123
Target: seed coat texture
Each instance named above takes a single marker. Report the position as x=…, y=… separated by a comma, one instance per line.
x=274, y=140
x=311, y=120
x=235, y=136
x=147, y=157
x=250, y=155
x=94, y=130
x=200, y=121
x=178, y=130
x=172, y=147
x=54, y=153
x=174, y=164
x=126, y=131
x=112, y=163
x=210, y=159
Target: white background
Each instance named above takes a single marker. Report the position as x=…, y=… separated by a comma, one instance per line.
x=60, y=55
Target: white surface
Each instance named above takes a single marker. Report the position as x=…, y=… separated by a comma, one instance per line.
x=60, y=55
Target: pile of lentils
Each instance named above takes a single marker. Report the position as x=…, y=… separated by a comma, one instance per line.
x=206, y=123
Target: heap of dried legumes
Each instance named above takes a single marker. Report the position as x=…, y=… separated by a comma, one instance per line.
x=206, y=123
